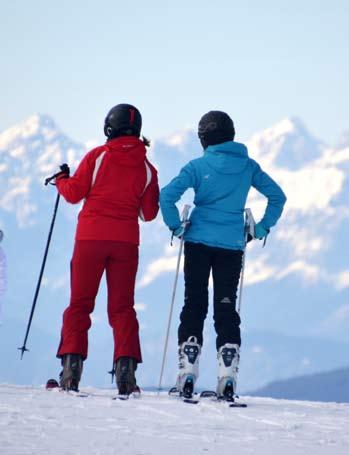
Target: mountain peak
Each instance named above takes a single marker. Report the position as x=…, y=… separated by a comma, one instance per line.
x=34, y=126
x=287, y=144
x=38, y=121
x=286, y=126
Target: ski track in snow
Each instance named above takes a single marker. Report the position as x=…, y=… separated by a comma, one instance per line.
x=35, y=421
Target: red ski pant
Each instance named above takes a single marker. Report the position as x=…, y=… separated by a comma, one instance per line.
x=120, y=262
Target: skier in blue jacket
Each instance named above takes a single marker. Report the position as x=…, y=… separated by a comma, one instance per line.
x=214, y=240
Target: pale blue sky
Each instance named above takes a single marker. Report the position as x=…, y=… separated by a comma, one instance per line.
x=259, y=60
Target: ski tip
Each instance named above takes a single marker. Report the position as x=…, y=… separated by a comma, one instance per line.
x=208, y=394
x=190, y=400
x=121, y=397
x=136, y=393
x=75, y=393
x=235, y=404
x=173, y=391
x=82, y=395
x=51, y=384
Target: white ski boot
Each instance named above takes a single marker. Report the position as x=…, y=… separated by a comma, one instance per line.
x=188, y=355
x=228, y=365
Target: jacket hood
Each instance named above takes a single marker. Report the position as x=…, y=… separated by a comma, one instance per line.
x=227, y=158
x=127, y=150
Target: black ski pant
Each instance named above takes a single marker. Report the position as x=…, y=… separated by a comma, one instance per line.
x=226, y=265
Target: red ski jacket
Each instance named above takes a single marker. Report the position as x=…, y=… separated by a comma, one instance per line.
x=119, y=185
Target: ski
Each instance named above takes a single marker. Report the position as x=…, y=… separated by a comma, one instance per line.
x=121, y=397
x=135, y=394
x=230, y=401
x=206, y=394
x=236, y=404
x=74, y=393
x=127, y=397
x=52, y=384
x=192, y=398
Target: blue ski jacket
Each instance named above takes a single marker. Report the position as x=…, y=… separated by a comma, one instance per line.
x=221, y=180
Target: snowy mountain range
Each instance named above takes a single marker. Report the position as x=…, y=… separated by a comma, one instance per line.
x=295, y=308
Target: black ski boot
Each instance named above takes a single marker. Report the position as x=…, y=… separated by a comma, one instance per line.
x=125, y=375
x=228, y=392
x=188, y=387
x=71, y=373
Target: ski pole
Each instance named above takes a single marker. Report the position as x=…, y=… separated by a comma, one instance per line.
x=24, y=348
x=248, y=231
x=185, y=215
x=249, y=226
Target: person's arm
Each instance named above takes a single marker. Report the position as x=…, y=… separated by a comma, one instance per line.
x=150, y=199
x=272, y=191
x=76, y=187
x=171, y=194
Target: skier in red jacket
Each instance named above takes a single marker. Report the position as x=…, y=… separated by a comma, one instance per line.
x=119, y=185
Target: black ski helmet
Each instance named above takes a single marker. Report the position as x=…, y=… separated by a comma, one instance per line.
x=123, y=119
x=215, y=127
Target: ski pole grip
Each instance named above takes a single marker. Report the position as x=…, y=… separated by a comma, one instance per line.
x=49, y=179
x=64, y=171
x=249, y=223
x=185, y=213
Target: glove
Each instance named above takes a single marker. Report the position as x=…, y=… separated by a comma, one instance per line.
x=249, y=237
x=65, y=172
x=260, y=232
x=179, y=232
x=65, y=169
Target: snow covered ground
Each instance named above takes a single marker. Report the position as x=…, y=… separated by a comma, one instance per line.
x=34, y=421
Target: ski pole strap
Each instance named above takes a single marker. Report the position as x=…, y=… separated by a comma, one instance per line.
x=64, y=171
x=49, y=179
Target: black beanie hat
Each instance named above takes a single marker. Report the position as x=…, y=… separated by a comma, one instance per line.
x=215, y=127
